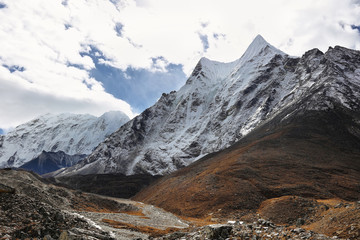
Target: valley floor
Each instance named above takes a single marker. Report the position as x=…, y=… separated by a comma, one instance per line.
x=31, y=208
x=334, y=218
x=141, y=221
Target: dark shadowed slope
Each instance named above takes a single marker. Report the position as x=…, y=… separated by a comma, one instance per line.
x=114, y=185
x=51, y=161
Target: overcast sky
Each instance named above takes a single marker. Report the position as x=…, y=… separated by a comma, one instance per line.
x=92, y=56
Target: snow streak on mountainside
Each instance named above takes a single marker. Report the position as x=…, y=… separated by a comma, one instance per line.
x=222, y=102
x=70, y=133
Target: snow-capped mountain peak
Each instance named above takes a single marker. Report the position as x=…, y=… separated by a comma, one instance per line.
x=258, y=44
x=260, y=49
x=208, y=74
x=71, y=133
x=221, y=103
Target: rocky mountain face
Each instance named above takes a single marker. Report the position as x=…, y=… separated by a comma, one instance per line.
x=301, y=168
x=312, y=154
x=72, y=134
x=223, y=102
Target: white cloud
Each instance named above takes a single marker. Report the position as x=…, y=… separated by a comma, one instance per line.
x=46, y=39
x=171, y=28
x=20, y=100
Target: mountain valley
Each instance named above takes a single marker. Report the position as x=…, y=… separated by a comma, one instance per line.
x=33, y=208
x=265, y=147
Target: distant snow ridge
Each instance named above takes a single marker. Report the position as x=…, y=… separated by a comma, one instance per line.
x=222, y=102
x=70, y=133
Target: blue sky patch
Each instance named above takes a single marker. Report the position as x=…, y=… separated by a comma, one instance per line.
x=68, y=64
x=114, y=2
x=119, y=28
x=87, y=84
x=140, y=88
x=14, y=68
x=205, y=41
x=217, y=36
x=357, y=27
x=204, y=24
x=2, y=5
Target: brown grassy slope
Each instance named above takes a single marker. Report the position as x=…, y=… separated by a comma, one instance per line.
x=339, y=219
x=310, y=155
x=332, y=217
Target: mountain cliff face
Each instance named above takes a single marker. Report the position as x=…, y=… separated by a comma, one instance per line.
x=70, y=133
x=312, y=154
x=223, y=102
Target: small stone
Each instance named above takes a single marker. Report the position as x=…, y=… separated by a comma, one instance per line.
x=173, y=236
x=298, y=230
x=300, y=222
x=261, y=221
x=64, y=235
x=48, y=237
x=214, y=232
x=305, y=235
x=6, y=236
x=26, y=221
x=59, y=217
x=338, y=205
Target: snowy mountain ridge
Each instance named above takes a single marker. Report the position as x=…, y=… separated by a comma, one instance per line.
x=222, y=102
x=70, y=133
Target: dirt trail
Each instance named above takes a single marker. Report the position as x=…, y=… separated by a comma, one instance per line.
x=129, y=225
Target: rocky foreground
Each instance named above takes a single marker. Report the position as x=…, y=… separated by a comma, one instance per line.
x=31, y=208
x=260, y=229
x=28, y=218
